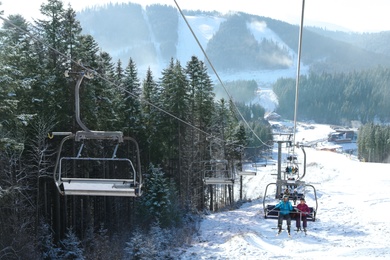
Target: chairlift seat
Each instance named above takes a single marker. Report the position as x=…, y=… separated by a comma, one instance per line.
x=258, y=165
x=249, y=173
x=218, y=181
x=100, y=187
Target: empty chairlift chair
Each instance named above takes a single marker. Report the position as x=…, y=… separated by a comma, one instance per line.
x=111, y=173
x=217, y=172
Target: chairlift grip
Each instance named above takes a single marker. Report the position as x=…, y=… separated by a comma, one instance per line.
x=114, y=153
x=81, y=148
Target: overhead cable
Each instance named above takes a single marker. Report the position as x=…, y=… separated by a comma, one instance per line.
x=298, y=73
x=217, y=75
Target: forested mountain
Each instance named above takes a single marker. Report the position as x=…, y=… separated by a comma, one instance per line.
x=234, y=42
x=373, y=42
x=338, y=98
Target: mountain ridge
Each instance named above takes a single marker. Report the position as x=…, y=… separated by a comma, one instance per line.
x=234, y=42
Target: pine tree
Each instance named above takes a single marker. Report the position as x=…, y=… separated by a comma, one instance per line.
x=20, y=69
x=159, y=202
x=59, y=31
x=48, y=249
x=104, y=94
x=174, y=99
x=162, y=240
x=150, y=113
x=201, y=107
x=138, y=247
x=100, y=246
x=72, y=246
x=221, y=119
x=131, y=100
x=13, y=46
x=201, y=97
x=239, y=142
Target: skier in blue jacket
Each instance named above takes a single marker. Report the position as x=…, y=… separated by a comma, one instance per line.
x=285, y=208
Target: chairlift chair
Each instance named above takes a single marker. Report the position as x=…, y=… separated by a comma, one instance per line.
x=129, y=184
x=272, y=213
x=283, y=183
x=216, y=172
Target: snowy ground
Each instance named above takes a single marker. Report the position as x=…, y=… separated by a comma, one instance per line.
x=352, y=220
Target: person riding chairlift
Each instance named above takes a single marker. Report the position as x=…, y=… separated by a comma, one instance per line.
x=285, y=208
x=303, y=211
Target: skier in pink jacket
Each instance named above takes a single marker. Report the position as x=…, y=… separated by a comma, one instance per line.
x=303, y=211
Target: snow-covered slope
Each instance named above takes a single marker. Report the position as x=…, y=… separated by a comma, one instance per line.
x=205, y=26
x=351, y=219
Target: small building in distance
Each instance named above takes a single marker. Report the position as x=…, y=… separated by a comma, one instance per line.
x=342, y=136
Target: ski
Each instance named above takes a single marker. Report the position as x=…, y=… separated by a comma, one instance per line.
x=277, y=234
x=300, y=230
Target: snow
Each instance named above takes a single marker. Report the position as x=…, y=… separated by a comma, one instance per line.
x=351, y=221
x=203, y=27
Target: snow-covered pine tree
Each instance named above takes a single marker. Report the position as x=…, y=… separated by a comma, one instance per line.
x=131, y=107
x=150, y=95
x=173, y=99
x=72, y=248
x=162, y=239
x=195, y=148
x=139, y=248
x=49, y=251
x=159, y=202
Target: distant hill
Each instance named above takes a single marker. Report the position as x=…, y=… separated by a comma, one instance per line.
x=373, y=42
x=233, y=42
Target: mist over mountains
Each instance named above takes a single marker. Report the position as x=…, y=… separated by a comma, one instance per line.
x=233, y=42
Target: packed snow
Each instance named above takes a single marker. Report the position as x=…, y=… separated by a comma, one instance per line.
x=351, y=222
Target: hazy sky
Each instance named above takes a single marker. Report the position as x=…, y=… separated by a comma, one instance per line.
x=355, y=15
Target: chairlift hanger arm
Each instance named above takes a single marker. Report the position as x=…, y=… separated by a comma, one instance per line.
x=77, y=102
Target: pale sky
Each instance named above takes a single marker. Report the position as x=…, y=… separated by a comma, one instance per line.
x=355, y=15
